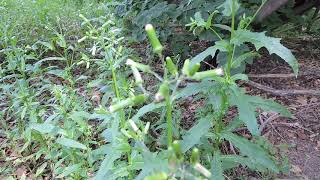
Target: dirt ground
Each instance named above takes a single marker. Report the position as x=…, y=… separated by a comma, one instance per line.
x=302, y=133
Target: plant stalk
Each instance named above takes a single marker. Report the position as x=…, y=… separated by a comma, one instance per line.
x=169, y=120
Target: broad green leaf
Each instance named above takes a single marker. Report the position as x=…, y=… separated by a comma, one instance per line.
x=70, y=143
x=236, y=77
x=107, y=164
x=232, y=161
x=41, y=169
x=216, y=166
x=69, y=170
x=193, y=136
x=227, y=7
x=46, y=128
x=145, y=109
x=254, y=152
x=235, y=123
x=153, y=163
x=246, y=112
x=242, y=58
x=195, y=88
x=269, y=105
x=273, y=45
x=211, y=51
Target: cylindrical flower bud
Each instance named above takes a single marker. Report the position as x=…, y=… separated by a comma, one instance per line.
x=163, y=92
x=120, y=105
x=133, y=125
x=139, y=99
x=127, y=102
x=171, y=66
x=177, y=149
x=158, y=176
x=195, y=68
x=207, y=74
x=146, y=128
x=195, y=156
x=157, y=47
x=137, y=75
x=202, y=170
x=82, y=39
x=142, y=67
x=185, y=68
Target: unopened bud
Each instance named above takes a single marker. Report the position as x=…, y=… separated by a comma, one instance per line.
x=157, y=47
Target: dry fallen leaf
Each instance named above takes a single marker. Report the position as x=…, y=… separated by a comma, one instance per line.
x=295, y=169
x=21, y=171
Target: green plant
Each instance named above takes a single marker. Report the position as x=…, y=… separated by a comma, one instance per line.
x=221, y=93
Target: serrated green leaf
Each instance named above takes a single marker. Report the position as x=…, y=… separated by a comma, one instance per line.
x=242, y=58
x=69, y=170
x=273, y=45
x=232, y=161
x=147, y=108
x=256, y=154
x=246, y=112
x=211, y=51
x=107, y=164
x=216, y=166
x=193, y=136
x=70, y=143
x=227, y=7
x=46, y=128
x=269, y=105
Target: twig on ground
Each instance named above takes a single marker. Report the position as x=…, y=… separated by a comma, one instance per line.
x=308, y=73
x=287, y=92
x=271, y=118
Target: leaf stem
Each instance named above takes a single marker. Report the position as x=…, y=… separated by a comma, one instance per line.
x=216, y=33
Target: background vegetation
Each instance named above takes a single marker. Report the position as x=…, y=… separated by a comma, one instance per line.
x=74, y=107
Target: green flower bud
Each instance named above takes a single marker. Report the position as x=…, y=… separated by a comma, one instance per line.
x=207, y=74
x=127, y=102
x=139, y=99
x=195, y=156
x=171, y=66
x=177, y=149
x=120, y=105
x=163, y=92
x=185, y=68
x=158, y=176
x=195, y=68
x=142, y=67
x=157, y=47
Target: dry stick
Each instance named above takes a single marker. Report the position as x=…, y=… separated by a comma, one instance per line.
x=271, y=118
x=309, y=73
x=287, y=92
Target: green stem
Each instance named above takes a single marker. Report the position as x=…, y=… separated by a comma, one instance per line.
x=256, y=13
x=169, y=120
x=231, y=52
x=115, y=82
x=216, y=33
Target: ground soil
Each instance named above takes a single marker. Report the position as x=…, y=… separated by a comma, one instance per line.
x=302, y=133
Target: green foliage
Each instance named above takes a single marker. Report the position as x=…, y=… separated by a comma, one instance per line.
x=79, y=105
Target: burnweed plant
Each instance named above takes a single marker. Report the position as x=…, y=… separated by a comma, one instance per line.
x=179, y=156
x=86, y=109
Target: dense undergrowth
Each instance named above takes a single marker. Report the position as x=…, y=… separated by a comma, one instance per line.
x=77, y=104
